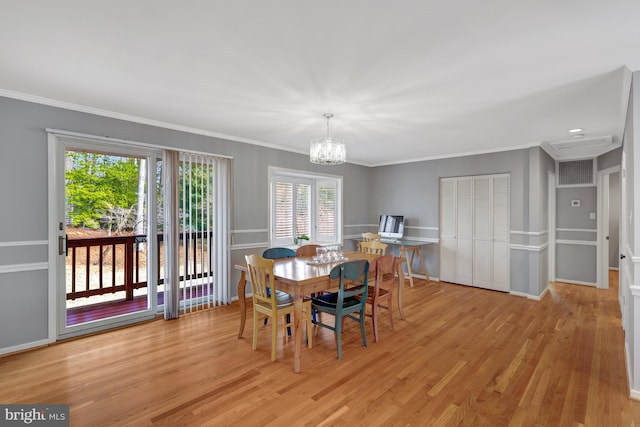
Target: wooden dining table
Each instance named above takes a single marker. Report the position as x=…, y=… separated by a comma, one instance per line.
x=299, y=277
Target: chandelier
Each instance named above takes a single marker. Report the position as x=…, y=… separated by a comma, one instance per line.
x=328, y=150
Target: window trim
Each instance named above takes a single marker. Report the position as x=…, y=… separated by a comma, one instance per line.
x=315, y=179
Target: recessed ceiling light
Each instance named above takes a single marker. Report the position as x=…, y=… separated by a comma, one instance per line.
x=575, y=130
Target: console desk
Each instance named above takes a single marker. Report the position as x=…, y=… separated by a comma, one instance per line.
x=408, y=249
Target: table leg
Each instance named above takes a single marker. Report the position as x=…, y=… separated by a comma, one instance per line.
x=297, y=328
x=405, y=252
x=242, y=284
x=422, y=263
x=400, y=288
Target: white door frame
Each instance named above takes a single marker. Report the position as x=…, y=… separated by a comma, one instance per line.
x=602, y=268
x=58, y=141
x=551, y=224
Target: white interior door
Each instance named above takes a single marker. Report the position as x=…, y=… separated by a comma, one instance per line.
x=500, y=218
x=474, y=231
x=482, y=232
x=448, y=238
x=464, y=226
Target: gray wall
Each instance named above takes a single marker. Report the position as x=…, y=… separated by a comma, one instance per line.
x=23, y=185
x=412, y=190
x=576, y=250
x=614, y=219
x=409, y=189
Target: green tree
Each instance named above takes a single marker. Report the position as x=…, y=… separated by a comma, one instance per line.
x=196, y=210
x=97, y=184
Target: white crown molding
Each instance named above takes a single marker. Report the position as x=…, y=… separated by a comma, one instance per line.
x=463, y=154
x=150, y=122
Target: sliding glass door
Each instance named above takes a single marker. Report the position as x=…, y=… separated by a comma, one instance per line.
x=107, y=255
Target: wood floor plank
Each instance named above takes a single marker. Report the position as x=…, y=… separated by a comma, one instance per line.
x=462, y=357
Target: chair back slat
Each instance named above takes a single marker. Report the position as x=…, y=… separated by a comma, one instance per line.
x=307, y=250
x=368, y=237
x=373, y=247
x=262, y=278
x=385, y=268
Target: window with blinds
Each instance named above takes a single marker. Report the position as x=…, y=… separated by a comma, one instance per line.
x=304, y=205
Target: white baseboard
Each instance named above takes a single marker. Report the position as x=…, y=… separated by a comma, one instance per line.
x=25, y=346
x=576, y=282
x=529, y=296
x=634, y=394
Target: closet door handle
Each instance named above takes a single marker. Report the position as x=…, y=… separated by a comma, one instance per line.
x=622, y=256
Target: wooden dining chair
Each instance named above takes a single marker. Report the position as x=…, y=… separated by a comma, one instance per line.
x=278, y=253
x=347, y=301
x=380, y=294
x=272, y=304
x=307, y=250
x=368, y=236
x=373, y=247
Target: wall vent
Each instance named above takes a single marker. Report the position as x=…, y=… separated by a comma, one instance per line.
x=576, y=172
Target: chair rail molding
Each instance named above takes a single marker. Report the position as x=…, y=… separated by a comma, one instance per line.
x=24, y=243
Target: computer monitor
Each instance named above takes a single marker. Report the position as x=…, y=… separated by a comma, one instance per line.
x=391, y=226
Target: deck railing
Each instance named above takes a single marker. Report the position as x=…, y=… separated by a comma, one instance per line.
x=103, y=265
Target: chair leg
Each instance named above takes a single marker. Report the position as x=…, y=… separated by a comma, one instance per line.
x=362, y=332
x=274, y=338
x=338, y=333
x=374, y=317
x=309, y=334
x=390, y=310
x=255, y=329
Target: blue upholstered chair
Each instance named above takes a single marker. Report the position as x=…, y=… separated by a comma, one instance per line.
x=278, y=253
x=346, y=302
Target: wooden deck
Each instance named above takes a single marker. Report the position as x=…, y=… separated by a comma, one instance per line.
x=463, y=357
x=103, y=310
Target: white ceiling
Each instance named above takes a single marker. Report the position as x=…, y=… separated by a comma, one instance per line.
x=406, y=80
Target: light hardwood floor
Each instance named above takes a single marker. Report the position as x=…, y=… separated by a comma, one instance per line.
x=463, y=356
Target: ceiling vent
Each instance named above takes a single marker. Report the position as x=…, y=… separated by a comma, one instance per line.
x=579, y=148
x=576, y=173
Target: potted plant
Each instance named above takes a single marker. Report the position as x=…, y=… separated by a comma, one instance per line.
x=298, y=239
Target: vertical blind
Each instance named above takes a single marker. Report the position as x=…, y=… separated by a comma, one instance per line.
x=202, y=249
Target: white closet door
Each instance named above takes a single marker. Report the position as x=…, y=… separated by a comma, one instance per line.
x=464, y=226
x=482, y=232
x=448, y=238
x=474, y=231
x=501, y=232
